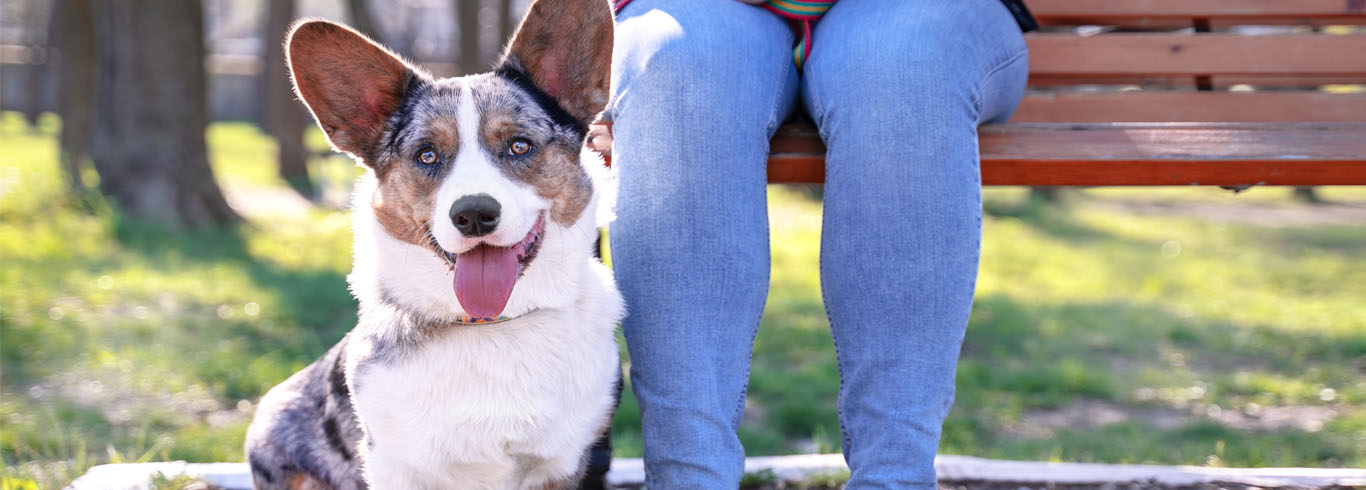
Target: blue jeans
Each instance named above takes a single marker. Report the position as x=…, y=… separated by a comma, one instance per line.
x=897, y=89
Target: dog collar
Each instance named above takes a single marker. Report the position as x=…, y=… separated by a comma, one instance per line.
x=480, y=320
x=487, y=320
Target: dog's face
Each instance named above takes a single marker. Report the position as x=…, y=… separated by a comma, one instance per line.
x=477, y=168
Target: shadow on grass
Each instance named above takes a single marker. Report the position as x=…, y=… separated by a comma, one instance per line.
x=1020, y=359
x=1125, y=336
x=316, y=298
x=315, y=302
x=159, y=352
x=1052, y=219
x=1297, y=241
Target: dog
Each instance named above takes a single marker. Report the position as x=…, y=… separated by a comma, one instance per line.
x=485, y=352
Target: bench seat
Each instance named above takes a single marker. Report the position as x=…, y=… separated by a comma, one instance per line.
x=1226, y=154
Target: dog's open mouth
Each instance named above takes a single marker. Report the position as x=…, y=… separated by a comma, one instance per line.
x=485, y=274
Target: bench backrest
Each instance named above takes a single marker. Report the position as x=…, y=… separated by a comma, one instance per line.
x=1197, y=61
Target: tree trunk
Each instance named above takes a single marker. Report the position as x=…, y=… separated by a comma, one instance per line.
x=362, y=20
x=151, y=112
x=1307, y=195
x=505, y=21
x=37, y=38
x=467, y=18
x=1045, y=194
x=74, y=28
x=285, y=119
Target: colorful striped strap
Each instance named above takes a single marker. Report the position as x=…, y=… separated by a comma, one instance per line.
x=804, y=12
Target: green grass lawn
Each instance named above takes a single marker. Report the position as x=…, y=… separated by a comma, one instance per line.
x=1103, y=331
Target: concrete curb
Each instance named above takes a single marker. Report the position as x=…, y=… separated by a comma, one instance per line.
x=631, y=471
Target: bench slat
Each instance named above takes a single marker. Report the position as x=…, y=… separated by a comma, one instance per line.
x=1133, y=154
x=1150, y=13
x=1191, y=107
x=1188, y=81
x=1129, y=54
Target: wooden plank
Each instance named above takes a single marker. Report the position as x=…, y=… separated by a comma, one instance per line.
x=1215, y=24
x=796, y=138
x=1188, y=81
x=1199, y=8
x=1132, y=54
x=1174, y=154
x=1134, y=154
x=1127, y=154
x=1151, y=106
x=1149, y=13
x=1054, y=80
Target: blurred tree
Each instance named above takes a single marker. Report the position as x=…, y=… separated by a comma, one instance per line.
x=1045, y=194
x=361, y=19
x=1307, y=195
x=402, y=42
x=467, y=44
x=285, y=119
x=73, y=24
x=151, y=112
x=505, y=21
x=38, y=39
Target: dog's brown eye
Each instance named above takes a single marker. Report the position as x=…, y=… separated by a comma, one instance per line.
x=427, y=156
x=519, y=146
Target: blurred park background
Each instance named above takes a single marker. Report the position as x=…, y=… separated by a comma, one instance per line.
x=174, y=242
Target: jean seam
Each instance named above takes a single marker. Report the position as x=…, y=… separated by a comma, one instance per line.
x=754, y=331
x=774, y=119
x=847, y=439
x=991, y=75
x=817, y=113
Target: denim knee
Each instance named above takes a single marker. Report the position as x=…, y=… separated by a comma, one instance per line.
x=938, y=59
x=702, y=61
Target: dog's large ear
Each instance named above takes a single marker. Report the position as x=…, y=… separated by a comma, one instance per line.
x=565, y=47
x=350, y=83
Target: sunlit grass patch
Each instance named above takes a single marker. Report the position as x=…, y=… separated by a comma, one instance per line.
x=243, y=156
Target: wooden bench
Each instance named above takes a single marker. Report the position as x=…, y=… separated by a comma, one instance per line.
x=1168, y=92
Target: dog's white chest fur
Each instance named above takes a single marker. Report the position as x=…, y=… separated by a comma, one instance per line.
x=500, y=406
x=509, y=405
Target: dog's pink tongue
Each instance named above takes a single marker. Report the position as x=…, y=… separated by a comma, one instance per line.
x=484, y=277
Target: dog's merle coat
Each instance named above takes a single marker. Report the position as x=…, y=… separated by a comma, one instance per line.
x=411, y=397
x=315, y=434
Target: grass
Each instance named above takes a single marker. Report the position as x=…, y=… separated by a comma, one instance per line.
x=117, y=331
x=1162, y=319
x=121, y=340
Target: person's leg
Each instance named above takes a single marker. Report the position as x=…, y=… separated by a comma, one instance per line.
x=698, y=88
x=897, y=88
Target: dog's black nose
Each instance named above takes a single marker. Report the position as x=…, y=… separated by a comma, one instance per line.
x=475, y=215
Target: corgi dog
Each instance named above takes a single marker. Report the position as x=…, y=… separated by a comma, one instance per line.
x=485, y=354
